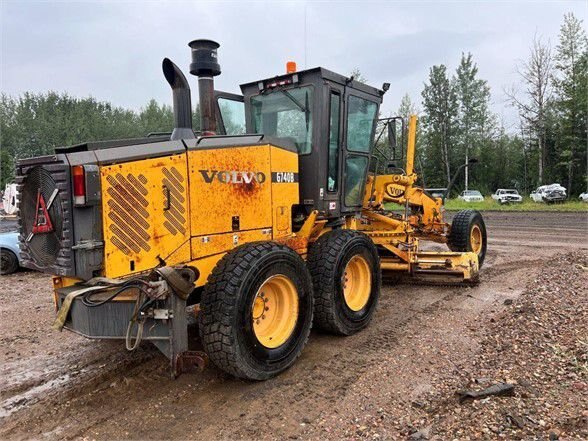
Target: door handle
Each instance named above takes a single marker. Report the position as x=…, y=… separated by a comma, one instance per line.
x=166, y=198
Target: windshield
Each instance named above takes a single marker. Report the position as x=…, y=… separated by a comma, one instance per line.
x=472, y=193
x=510, y=192
x=285, y=114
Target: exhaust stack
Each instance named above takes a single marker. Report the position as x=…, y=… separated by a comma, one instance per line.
x=182, y=100
x=205, y=66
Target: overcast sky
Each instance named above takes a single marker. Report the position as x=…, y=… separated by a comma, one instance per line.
x=113, y=50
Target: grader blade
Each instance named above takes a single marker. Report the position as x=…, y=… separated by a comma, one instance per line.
x=433, y=268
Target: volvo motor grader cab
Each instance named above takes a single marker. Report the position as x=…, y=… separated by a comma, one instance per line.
x=273, y=217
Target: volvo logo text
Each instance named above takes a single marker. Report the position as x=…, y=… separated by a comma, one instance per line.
x=232, y=177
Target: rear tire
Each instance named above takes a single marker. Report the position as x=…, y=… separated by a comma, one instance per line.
x=468, y=234
x=345, y=269
x=241, y=333
x=8, y=262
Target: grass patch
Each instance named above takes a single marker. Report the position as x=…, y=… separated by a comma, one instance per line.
x=528, y=204
x=490, y=204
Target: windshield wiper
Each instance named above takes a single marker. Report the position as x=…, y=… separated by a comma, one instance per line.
x=303, y=108
x=294, y=100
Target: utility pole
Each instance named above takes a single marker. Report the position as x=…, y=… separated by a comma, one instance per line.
x=467, y=169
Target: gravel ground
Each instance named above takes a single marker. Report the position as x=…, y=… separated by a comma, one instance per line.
x=538, y=343
x=525, y=324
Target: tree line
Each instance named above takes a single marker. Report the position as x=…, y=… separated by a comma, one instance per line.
x=550, y=142
x=36, y=123
x=456, y=123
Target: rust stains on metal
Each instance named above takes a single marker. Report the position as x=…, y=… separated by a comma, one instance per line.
x=298, y=244
x=189, y=361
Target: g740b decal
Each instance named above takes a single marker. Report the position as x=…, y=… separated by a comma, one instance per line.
x=284, y=177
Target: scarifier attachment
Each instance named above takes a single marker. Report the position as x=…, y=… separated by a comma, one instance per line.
x=435, y=268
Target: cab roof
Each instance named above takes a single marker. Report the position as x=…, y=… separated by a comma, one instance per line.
x=323, y=73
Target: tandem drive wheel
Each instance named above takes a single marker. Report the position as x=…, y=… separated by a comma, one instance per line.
x=346, y=275
x=256, y=310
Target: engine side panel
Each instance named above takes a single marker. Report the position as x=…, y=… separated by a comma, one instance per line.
x=230, y=189
x=145, y=214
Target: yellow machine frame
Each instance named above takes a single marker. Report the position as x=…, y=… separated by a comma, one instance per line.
x=400, y=234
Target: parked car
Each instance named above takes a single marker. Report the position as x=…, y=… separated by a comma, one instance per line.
x=9, y=253
x=471, y=196
x=584, y=197
x=507, y=196
x=436, y=192
x=549, y=194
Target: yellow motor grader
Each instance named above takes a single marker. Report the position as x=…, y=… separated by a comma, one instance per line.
x=274, y=217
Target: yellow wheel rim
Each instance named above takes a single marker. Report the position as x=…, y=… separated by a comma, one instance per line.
x=275, y=311
x=357, y=283
x=476, y=239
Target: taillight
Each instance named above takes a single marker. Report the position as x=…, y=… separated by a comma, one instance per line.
x=79, y=184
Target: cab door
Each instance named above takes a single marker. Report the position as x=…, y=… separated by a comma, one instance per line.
x=361, y=111
x=334, y=156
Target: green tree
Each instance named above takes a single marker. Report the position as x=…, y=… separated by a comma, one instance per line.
x=440, y=112
x=154, y=118
x=358, y=76
x=570, y=81
x=407, y=107
x=473, y=96
x=34, y=124
x=534, y=105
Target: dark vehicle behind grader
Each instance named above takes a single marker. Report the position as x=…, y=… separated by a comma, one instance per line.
x=271, y=219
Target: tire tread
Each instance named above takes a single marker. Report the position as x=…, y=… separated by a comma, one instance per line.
x=219, y=303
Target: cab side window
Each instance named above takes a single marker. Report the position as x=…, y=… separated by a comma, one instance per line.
x=233, y=116
x=333, y=175
x=361, y=117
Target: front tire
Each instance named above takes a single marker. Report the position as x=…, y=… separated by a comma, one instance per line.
x=468, y=234
x=345, y=269
x=256, y=310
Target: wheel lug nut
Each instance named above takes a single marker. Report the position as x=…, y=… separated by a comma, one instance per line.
x=266, y=308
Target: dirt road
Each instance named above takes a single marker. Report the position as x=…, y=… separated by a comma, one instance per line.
x=62, y=386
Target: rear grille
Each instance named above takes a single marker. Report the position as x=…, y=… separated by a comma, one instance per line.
x=128, y=212
x=175, y=214
x=45, y=251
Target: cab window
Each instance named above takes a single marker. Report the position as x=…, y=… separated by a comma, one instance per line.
x=233, y=116
x=355, y=170
x=332, y=183
x=285, y=113
x=361, y=117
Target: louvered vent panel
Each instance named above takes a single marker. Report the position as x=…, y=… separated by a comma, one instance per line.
x=129, y=212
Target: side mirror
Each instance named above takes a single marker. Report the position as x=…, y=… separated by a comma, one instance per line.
x=392, y=136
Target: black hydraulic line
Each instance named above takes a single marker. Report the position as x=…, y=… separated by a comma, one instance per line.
x=87, y=301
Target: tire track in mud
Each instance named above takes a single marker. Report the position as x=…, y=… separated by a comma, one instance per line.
x=342, y=362
x=59, y=384
x=341, y=370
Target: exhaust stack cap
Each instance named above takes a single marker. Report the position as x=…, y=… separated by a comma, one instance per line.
x=204, y=58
